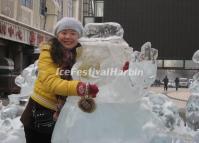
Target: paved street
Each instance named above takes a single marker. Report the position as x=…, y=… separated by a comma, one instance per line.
x=179, y=97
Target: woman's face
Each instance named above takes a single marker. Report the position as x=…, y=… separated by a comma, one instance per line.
x=68, y=38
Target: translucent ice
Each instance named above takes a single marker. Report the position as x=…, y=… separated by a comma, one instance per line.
x=11, y=111
x=192, y=108
x=196, y=76
x=125, y=112
x=192, y=113
x=195, y=57
x=196, y=137
x=26, y=79
x=103, y=30
x=147, y=52
x=194, y=87
x=142, y=73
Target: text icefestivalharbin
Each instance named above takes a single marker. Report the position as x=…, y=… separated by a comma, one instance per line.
x=106, y=72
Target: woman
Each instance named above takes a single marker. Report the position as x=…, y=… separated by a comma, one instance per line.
x=51, y=89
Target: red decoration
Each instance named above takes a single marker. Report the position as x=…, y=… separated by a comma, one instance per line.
x=10, y=31
x=32, y=38
x=2, y=28
x=19, y=34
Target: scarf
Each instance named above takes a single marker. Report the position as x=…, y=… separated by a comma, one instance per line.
x=69, y=59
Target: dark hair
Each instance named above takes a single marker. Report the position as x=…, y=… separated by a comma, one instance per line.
x=56, y=51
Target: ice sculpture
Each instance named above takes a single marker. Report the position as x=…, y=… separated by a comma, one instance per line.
x=26, y=79
x=126, y=112
x=192, y=108
x=195, y=57
x=103, y=30
x=11, y=129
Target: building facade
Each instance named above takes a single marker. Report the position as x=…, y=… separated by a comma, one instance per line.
x=93, y=11
x=24, y=24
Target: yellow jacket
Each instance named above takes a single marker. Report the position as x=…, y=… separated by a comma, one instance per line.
x=48, y=83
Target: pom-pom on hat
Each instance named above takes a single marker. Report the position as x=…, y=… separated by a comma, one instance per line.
x=68, y=23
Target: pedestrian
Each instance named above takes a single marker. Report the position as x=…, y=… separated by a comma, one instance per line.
x=177, y=83
x=166, y=80
x=53, y=84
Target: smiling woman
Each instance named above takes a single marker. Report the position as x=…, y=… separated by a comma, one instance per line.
x=68, y=38
x=52, y=89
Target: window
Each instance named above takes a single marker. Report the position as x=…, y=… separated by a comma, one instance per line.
x=69, y=8
x=173, y=63
x=43, y=8
x=189, y=64
x=99, y=8
x=27, y=3
x=60, y=11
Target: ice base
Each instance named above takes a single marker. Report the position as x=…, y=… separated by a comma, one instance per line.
x=109, y=123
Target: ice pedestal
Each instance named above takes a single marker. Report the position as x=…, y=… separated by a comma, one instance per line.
x=110, y=123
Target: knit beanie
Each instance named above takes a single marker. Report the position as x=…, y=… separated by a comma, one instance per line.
x=68, y=23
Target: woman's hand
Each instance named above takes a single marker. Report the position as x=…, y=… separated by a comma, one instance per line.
x=87, y=89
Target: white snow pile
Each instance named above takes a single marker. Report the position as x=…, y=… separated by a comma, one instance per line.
x=192, y=108
x=126, y=112
x=11, y=129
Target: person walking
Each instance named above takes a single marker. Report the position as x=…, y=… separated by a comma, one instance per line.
x=165, y=80
x=54, y=82
x=177, y=83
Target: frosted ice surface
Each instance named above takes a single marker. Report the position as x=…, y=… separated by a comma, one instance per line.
x=142, y=73
x=196, y=76
x=195, y=57
x=26, y=79
x=103, y=30
x=147, y=52
x=126, y=112
x=11, y=111
x=101, y=59
x=192, y=108
x=107, y=124
x=192, y=113
x=196, y=137
x=165, y=111
x=194, y=87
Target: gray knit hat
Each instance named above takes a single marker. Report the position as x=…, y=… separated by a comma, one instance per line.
x=68, y=23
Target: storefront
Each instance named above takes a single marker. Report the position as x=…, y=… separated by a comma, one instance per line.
x=18, y=43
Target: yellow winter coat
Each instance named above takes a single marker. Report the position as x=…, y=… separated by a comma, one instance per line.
x=48, y=83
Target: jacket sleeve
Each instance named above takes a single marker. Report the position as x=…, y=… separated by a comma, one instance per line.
x=49, y=75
